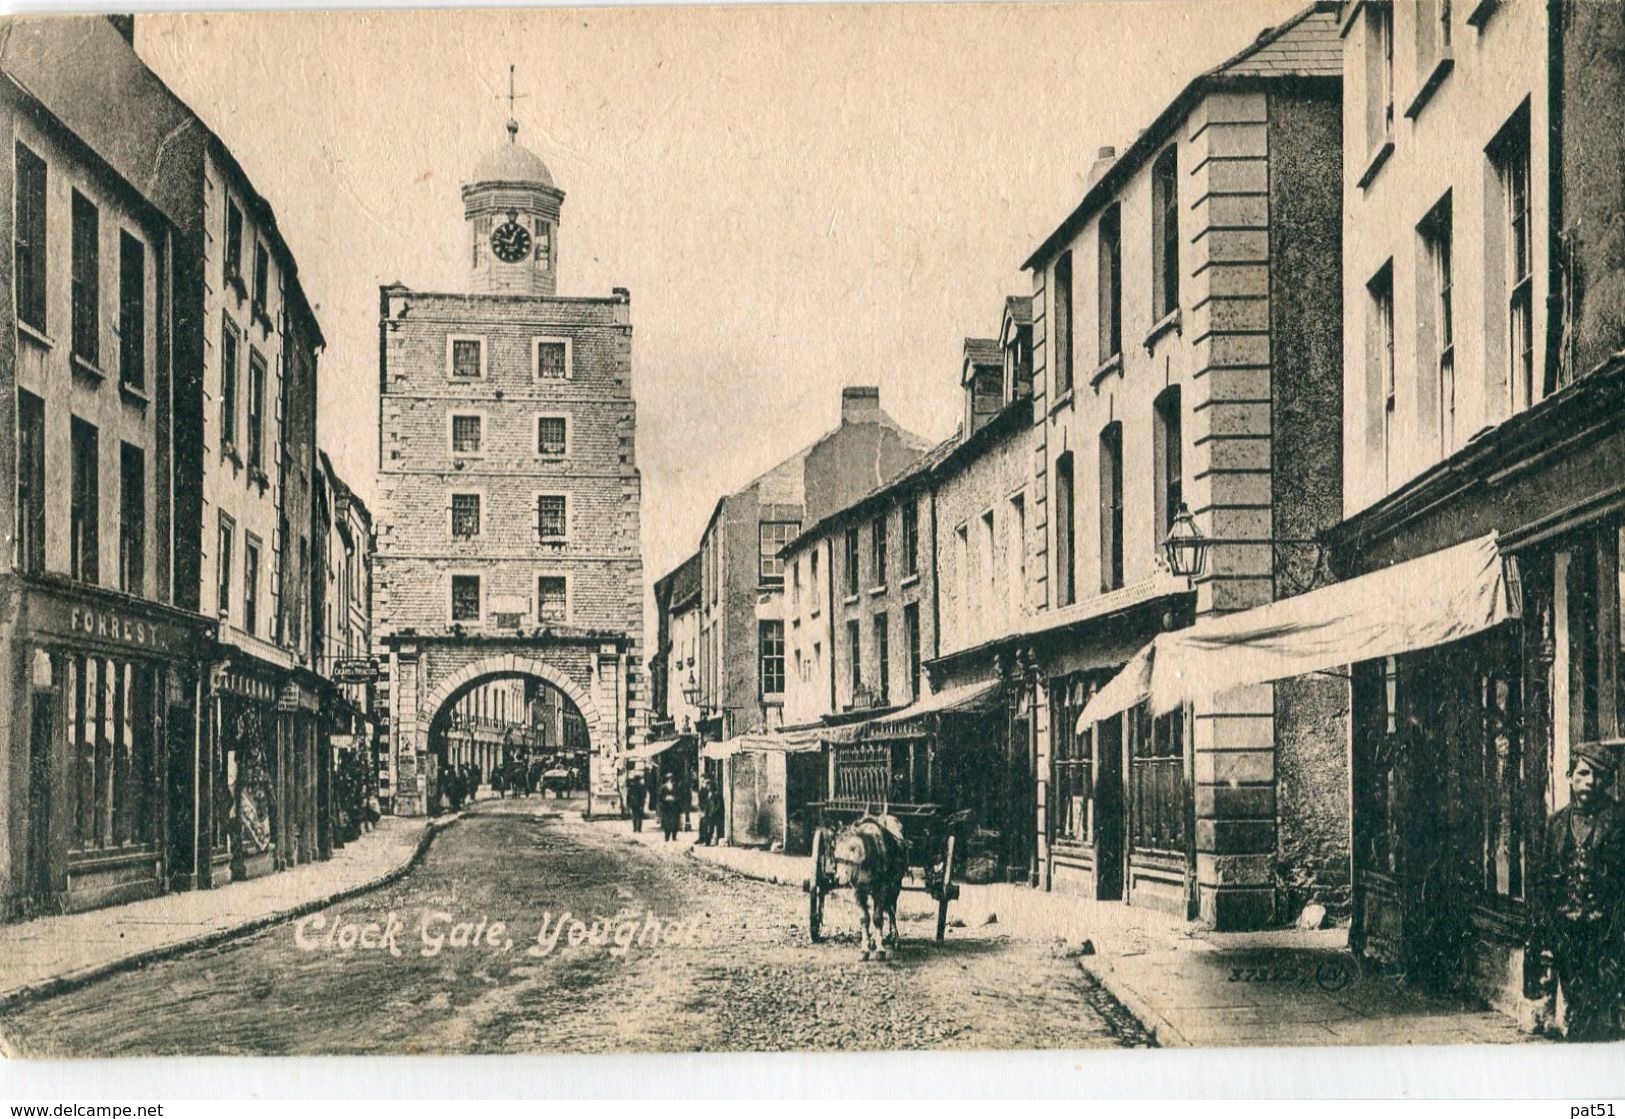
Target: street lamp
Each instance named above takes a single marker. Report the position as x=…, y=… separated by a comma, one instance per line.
x=1185, y=548
x=691, y=692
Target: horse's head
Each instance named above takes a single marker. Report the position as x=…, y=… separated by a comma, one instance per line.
x=851, y=856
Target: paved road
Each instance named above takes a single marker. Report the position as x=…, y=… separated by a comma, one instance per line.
x=711, y=961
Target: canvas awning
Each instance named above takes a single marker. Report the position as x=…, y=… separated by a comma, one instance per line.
x=651, y=750
x=965, y=697
x=1432, y=600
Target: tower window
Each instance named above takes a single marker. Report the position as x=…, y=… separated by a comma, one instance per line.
x=465, y=598
x=552, y=435
x=552, y=599
x=465, y=435
x=465, y=515
x=465, y=358
x=552, y=517
x=544, y=243
x=552, y=357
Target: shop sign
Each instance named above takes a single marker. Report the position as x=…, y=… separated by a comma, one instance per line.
x=291, y=697
x=90, y=622
x=354, y=670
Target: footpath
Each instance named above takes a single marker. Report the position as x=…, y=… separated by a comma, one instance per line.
x=49, y=955
x=1187, y=985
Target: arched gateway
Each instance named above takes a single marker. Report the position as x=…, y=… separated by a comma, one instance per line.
x=508, y=504
x=428, y=674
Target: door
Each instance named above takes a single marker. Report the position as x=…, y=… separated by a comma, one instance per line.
x=182, y=778
x=1110, y=850
x=40, y=894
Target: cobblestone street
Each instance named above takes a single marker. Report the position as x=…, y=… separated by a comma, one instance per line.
x=736, y=971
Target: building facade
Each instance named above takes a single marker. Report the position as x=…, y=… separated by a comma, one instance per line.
x=1481, y=278
x=508, y=538
x=1186, y=341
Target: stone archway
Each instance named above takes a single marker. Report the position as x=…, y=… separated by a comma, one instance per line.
x=511, y=664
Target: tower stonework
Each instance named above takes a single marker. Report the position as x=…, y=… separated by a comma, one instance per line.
x=508, y=536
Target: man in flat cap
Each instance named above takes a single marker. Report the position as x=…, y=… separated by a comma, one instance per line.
x=1578, y=927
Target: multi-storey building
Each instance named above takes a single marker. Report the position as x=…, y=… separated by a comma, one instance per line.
x=343, y=628
x=203, y=306
x=883, y=590
x=1481, y=281
x=741, y=673
x=672, y=669
x=1186, y=341
x=99, y=669
x=508, y=541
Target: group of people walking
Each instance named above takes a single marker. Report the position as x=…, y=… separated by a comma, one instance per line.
x=671, y=799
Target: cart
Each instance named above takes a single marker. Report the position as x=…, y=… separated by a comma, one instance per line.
x=891, y=776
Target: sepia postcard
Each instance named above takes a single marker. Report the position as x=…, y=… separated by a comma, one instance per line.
x=830, y=528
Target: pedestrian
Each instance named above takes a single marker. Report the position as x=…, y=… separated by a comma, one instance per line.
x=634, y=798
x=705, y=812
x=713, y=811
x=1577, y=943
x=671, y=809
x=499, y=782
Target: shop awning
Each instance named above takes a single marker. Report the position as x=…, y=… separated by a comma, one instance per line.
x=965, y=697
x=651, y=750
x=1432, y=600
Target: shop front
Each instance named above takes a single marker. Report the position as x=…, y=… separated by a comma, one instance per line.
x=1461, y=749
x=247, y=802
x=100, y=724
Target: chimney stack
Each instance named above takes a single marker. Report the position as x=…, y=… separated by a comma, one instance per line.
x=1104, y=159
x=860, y=404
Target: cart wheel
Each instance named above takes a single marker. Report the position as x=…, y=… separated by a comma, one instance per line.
x=815, y=889
x=946, y=890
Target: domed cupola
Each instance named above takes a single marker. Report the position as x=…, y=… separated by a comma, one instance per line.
x=512, y=210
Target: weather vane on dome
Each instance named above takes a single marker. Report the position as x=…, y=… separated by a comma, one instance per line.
x=513, y=123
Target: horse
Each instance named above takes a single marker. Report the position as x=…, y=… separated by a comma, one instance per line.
x=871, y=856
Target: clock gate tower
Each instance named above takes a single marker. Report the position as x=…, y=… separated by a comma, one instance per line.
x=508, y=528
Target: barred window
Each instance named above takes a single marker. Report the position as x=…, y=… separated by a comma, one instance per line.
x=465, y=515
x=465, y=435
x=467, y=358
x=465, y=598
x=552, y=598
x=551, y=435
x=551, y=361
x=552, y=521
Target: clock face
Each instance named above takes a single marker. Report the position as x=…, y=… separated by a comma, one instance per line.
x=510, y=241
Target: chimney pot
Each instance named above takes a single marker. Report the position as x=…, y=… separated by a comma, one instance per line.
x=1104, y=159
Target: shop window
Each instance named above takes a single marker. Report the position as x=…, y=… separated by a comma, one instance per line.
x=1378, y=748
x=1157, y=782
x=1503, y=785
x=28, y=239
x=111, y=735
x=30, y=482
x=1071, y=763
x=84, y=529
